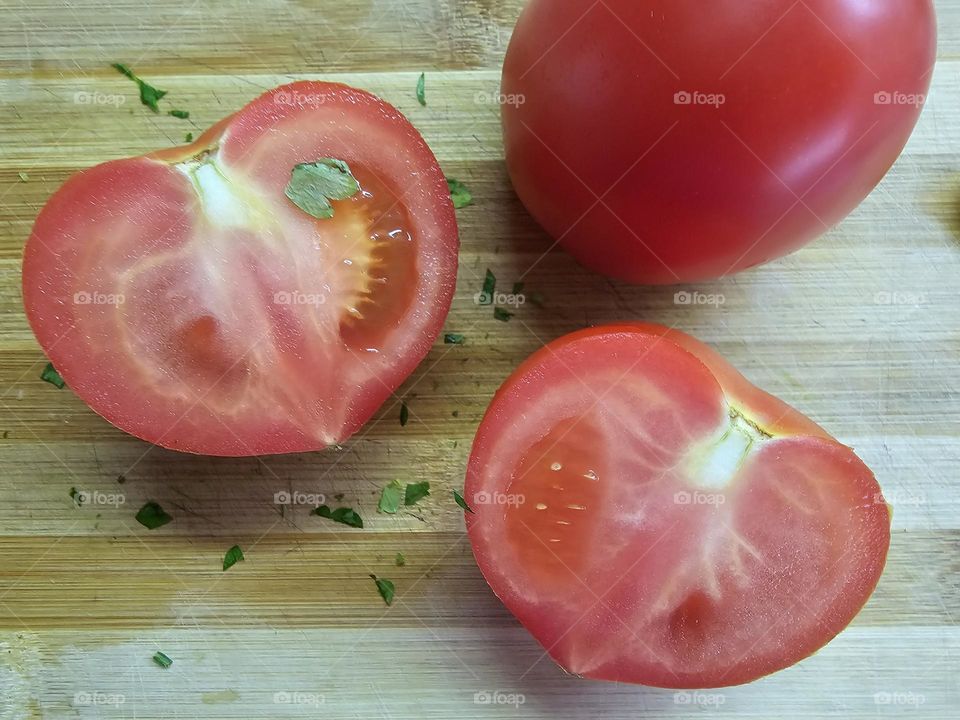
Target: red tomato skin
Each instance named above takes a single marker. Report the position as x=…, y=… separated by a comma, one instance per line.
x=91, y=358
x=859, y=489
x=641, y=188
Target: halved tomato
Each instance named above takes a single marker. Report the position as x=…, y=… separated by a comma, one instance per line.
x=653, y=518
x=188, y=301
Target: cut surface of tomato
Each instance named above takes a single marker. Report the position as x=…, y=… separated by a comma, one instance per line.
x=188, y=301
x=653, y=518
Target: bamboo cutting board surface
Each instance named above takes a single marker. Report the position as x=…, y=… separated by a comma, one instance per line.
x=87, y=595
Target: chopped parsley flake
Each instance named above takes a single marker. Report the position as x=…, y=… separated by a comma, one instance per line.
x=489, y=286
x=182, y=114
x=313, y=185
x=232, y=557
x=400, y=560
x=162, y=659
x=502, y=315
x=461, y=502
x=453, y=339
x=391, y=497
x=344, y=515
x=386, y=589
x=459, y=193
x=416, y=492
x=149, y=95
x=422, y=89
x=51, y=376
x=152, y=516
x=404, y=414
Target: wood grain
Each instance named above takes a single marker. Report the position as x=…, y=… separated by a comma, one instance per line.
x=87, y=595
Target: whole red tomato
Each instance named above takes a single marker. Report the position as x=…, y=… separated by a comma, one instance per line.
x=665, y=141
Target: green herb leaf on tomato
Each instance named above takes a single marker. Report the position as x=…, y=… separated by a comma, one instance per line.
x=461, y=502
x=313, y=185
x=152, y=516
x=343, y=515
x=51, y=376
x=459, y=193
x=416, y=492
x=390, y=497
x=149, y=95
x=422, y=89
x=386, y=589
x=232, y=557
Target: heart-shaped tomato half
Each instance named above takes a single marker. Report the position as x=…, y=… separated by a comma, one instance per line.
x=188, y=300
x=653, y=518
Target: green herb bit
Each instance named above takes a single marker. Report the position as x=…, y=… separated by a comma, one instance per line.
x=459, y=193
x=149, y=95
x=51, y=376
x=162, y=659
x=343, y=515
x=152, y=516
x=416, y=492
x=232, y=557
x=422, y=89
x=386, y=589
x=461, y=502
x=313, y=185
x=390, y=497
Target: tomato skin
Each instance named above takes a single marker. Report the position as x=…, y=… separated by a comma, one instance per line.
x=199, y=354
x=641, y=187
x=822, y=545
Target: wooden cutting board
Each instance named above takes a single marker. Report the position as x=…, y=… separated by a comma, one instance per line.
x=87, y=595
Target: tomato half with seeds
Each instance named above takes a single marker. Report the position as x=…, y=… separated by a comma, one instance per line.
x=188, y=301
x=653, y=518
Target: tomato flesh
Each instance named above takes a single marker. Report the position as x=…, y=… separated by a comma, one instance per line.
x=649, y=521
x=188, y=301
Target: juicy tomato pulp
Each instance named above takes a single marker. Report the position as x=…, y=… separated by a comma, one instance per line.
x=652, y=518
x=659, y=145
x=188, y=301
